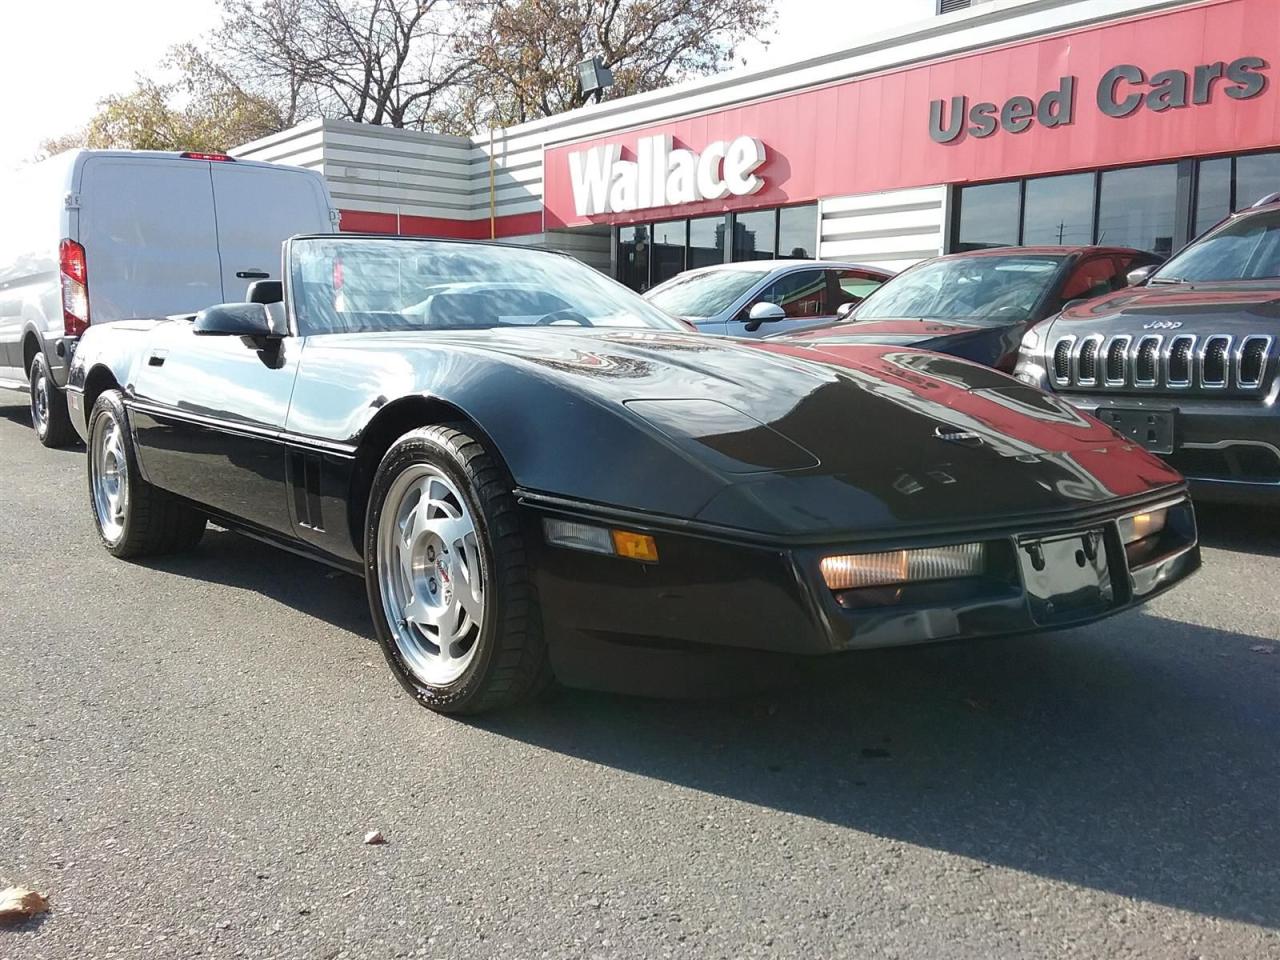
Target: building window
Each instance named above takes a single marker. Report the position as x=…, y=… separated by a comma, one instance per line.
x=1257, y=176
x=755, y=235
x=1136, y=208
x=1058, y=210
x=1227, y=184
x=670, y=244
x=798, y=232
x=990, y=216
x=706, y=241
x=1213, y=192
x=633, y=257
x=650, y=254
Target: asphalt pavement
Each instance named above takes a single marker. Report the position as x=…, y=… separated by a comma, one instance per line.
x=192, y=750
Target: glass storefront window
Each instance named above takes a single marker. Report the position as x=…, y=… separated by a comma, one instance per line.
x=798, y=232
x=706, y=241
x=633, y=257
x=1213, y=193
x=1137, y=206
x=989, y=216
x=653, y=253
x=668, y=250
x=1058, y=210
x=1257, y=176
x=754, y=235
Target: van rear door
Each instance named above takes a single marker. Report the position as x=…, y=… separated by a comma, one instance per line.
x=148, y=230
x=259, y=207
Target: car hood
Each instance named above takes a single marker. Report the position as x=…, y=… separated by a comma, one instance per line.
x=816, y=442
x=991, y=344
x=1240, y=307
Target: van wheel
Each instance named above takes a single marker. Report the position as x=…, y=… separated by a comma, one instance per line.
x=49, y=414
x=448, y=577
x=134, y=519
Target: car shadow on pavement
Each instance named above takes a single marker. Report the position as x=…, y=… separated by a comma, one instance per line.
x=1250, y=530
x=1107, y=757
x=1103, y=757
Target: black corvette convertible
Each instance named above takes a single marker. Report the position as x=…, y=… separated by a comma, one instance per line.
x=525, y=461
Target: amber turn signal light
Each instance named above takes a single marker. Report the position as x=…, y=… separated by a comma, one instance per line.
x=635, y=546
x=592, y=539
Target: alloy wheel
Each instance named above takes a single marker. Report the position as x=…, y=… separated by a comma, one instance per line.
x=430, y=574
x=110, y=478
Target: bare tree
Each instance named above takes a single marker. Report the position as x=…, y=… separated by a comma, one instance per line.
x=373, y=61
x=528, y=50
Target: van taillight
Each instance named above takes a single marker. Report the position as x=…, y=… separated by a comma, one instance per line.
x=218, y=157
x=75, y=288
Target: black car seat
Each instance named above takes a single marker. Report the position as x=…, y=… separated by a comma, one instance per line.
x=265, y=291
x=270, y=293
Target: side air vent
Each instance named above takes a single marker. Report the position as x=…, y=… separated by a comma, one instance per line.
x=1213, y=370
x=1089, y=361
x=1181, y=350
x=1062, y=360
x=1117, y=357
x=1253, y=361
x=1147, y=361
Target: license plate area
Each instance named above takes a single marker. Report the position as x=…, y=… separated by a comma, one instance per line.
x=1154, y=429
x=1067, y=577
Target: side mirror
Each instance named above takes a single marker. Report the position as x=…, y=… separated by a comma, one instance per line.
x=845, y=310
x=1140, y=275
x=764, y=312
x=236, y=320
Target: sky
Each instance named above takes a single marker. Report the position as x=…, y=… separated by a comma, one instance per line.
x=102, y=45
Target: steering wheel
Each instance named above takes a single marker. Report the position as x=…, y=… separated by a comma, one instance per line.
x=568, y=313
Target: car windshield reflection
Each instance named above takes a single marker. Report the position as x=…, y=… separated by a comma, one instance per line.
x=371, y=285
x=993, y=289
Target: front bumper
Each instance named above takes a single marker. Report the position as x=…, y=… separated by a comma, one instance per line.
x=1229, y=450
x=714, y=588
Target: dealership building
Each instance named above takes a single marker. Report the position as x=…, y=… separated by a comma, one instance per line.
x=1123, y=122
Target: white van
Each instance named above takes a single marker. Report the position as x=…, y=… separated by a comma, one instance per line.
x=92, y=236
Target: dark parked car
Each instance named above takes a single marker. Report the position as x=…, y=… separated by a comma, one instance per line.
x=978, y=305
x=1185, y=363
x=527, y=492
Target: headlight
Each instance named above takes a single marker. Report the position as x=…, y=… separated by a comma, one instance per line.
x=1031, y=339
x=851, y=571
x=1143, y=525
x=589, y=538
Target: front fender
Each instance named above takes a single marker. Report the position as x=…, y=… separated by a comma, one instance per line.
x=105, y=355
x=553, y=438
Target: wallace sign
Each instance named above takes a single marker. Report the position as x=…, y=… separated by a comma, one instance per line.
x=1121, y=92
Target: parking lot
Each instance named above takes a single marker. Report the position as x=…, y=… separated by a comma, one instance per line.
x=192, y=750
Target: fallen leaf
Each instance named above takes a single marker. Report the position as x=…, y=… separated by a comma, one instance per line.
x=374, y=837
x=18, y=903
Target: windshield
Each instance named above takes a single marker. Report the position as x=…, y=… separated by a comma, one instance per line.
x=1244, y=249
x=999, y=289
x=349, y=285
x=697, y=296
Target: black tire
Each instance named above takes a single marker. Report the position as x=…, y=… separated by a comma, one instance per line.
x=153, y=521
x=510, y=663
x=49, y=414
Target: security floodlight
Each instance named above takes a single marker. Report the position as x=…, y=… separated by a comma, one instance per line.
x=594, y=77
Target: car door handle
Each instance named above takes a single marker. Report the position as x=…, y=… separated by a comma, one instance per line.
x=157, y=358
x=253, y=275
